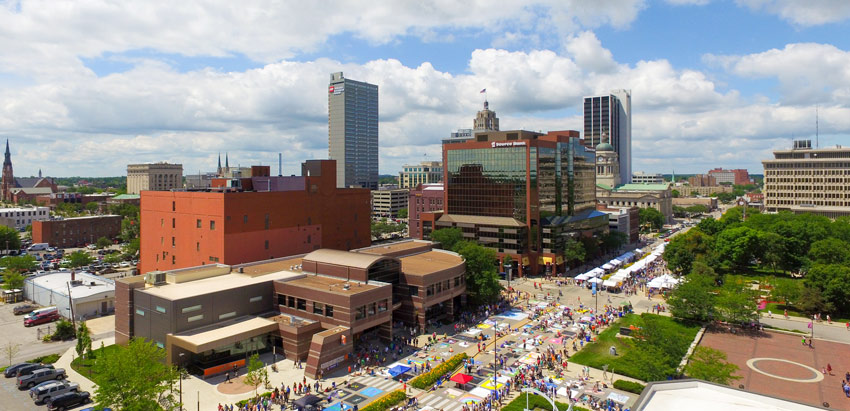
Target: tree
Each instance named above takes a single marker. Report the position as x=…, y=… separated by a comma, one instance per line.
x=19, y=264
x=102, y=242
x=9, y=238
x=507, y=261
x=811, y=301
x=693, y=298
x=574, y=252
x=832, y=281
x=79, y=258
x=482, y=281
x=257, y=373
x=710, y=365
x=710, y=226
x=402, y=213
x=133, y=377
x=694, y=193
x=13, y=280
x=131, y=248
x=651, y=217
x=11, y=350
x=737, y=246
x=613, y=240
x=92, y=207
x=675, y=193
x=447, y=237
x=726, y=198
x=83, y=339
x=787, y=291
x=697, y=209
x=591, y=246
x=830, y=251
x=736, y=305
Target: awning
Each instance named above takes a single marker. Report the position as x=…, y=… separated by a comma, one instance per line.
x=610, y=283
x=220, y=334
x=461, y=378
x=398, y=370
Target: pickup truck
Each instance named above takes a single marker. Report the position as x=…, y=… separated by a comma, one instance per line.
x=39, y=376
x=45, y=393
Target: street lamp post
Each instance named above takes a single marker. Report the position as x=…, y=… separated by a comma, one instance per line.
x=180, y=380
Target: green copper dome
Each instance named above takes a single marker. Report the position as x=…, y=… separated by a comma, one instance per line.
x=604, y=147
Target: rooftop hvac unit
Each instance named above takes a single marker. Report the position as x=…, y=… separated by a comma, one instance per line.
x=155, y=278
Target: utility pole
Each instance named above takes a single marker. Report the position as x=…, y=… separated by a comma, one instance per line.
x=71, y=306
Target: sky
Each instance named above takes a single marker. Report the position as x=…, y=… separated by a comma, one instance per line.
x=89, y=86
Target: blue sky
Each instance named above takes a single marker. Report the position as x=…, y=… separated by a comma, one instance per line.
x=89, y=87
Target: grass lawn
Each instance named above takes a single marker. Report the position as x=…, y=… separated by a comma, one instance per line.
x=628, y=361
x=84, y=365
x=534, y=402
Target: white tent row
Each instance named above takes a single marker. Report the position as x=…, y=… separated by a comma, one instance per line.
x=626, y=256
x=595, y=280
x=664, y=281
x=611, y=282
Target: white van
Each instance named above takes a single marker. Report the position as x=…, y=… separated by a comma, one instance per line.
x=38, y=247
x=39, y=311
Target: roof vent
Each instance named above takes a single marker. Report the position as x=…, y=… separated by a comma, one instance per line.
x=346, y=286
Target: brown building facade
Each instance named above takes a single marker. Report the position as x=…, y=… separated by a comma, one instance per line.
x=76, y=232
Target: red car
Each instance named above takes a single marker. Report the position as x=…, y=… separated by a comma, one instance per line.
x=41, y=318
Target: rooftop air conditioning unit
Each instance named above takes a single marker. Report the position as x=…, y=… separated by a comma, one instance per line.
x=155, y=278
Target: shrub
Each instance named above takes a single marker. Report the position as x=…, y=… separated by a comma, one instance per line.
x=242, y=403
x=629, y=386
x=46, y=359
x=428, y=379
x=64, y=331
x=386, y=402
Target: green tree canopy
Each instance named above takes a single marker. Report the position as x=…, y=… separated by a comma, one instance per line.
x=830, y=251
x=18, y=263
x=133, y=377
x=574, y=252
x=257, y=373
x=92, y=207
x=447, y=237
x=833, y=282
x=9, y=238
x=13, y=280
x=80, y=258
x=482, y=280
x=737, y=246
x=710, y=365
x=736, y=304
x=402, y=213
x=787, y=291
x=613, y=240
x=103, y=242
x=652, y=217
x=693, y=299
x=675, y=193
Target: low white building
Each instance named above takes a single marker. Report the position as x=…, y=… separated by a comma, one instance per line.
x=21, y=217
x=91, y=295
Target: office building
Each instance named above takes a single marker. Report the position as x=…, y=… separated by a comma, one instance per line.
x=685, y=202
x=200, y=181
x=425, y=198
x=611, y=115
x=250, y=219
x=644, y=178
x=808, y=180
x=625, y=220
x=20, y=217
x=703, y=191
x=154, y=177
x=315, y=307
x=702, y=180
x=737, y=176
x=353, y=131
x=76, y=232
x=426, y=172
x=520, y=193
x=387, y=203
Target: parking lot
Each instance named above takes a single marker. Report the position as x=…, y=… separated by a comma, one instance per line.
x=28, y=339
x=13, y=399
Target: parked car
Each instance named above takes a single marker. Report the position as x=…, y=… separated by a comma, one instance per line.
x=23, y=309
x=41, y=318
x=52, y=390
x=40, y=375
x=12, y=370
x=68, y=400
x=29, y=368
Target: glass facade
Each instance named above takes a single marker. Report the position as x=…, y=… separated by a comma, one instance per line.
x=487, y=182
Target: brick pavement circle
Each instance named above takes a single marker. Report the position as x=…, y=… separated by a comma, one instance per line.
x=753, y=363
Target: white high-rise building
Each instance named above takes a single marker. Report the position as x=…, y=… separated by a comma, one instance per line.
x=611, y=115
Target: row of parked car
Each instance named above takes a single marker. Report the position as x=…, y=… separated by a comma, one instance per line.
x=35, y=315
x=47, y=385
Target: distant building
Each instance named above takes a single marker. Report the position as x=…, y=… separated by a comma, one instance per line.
x=702, y=180
x=703, y=191
x=76, y=232
x=23, y=189
x=252, y=219
x=643, y=178
x=154, y=177
x=657, y=196
x=132, y=199
x=91, y=295
x=610, y=115
x=425, y=198
x=353, y=131
x=485, y=120
x=808, y=180
x=737, y=176
x=20, y=217
x=459, y=136
x=426, y=172
x=387, y=203
x=624, y=220
x=200, y=181
x=709, y=202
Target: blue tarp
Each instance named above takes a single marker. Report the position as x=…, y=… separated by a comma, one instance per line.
x=398, y=370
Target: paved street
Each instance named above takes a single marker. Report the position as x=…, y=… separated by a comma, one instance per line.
x=833, y=332
x=27, y=339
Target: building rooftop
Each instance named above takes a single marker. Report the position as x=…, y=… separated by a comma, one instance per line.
x=127, y=197
x=393, y=248
x=334, y=285
x=213, y=284
x=430, y=262
x=90, y=217
x=695, y=395
x=267, y=267
x=481, y=220
x=642, y=187
x=58, y=283
x=338, y=257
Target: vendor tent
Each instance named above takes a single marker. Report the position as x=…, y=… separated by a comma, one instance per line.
x=398, y=370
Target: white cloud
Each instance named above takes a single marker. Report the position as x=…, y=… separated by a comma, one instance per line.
x=803, y=13
x=688, y=2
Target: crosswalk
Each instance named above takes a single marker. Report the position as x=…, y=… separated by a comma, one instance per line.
x=378, y=382
x=439, y=403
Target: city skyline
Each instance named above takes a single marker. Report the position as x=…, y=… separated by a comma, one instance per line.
x=114, y=85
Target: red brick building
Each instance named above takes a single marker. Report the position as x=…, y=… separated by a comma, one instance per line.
x=231, y=225
x=423, y=199
x=75, y=232
x=738, y=176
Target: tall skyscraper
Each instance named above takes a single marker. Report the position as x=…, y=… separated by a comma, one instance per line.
x=611, y=115
x=353, y=131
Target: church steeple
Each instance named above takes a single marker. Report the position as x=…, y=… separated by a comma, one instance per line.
x=8, y=181
x=226, y=162
x=8, y=159
x=218, y=170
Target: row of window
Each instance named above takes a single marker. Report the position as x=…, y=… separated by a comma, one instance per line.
x=440, y=287
x=301, y=304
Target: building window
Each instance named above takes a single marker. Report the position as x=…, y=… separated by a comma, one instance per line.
x=318, y=308
x=267, y=244
x=360, y=313
x=255, y=299
x=281, y=299
x=291, y=302
x=245, y=219
x=212, y=225
x=227, y=315
x=198, y=223
x=173, y=206
x=173, y=223
x=414, y=290
x=329, y=311
x=173, y=259
x=372, y=308
x=173, y=242
x=160, y=309
x=267, y=222
x=382, y=306
x=301, y=304
x=197, y=246
x=140, y=312
x=191, y=309
x=195, y=318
